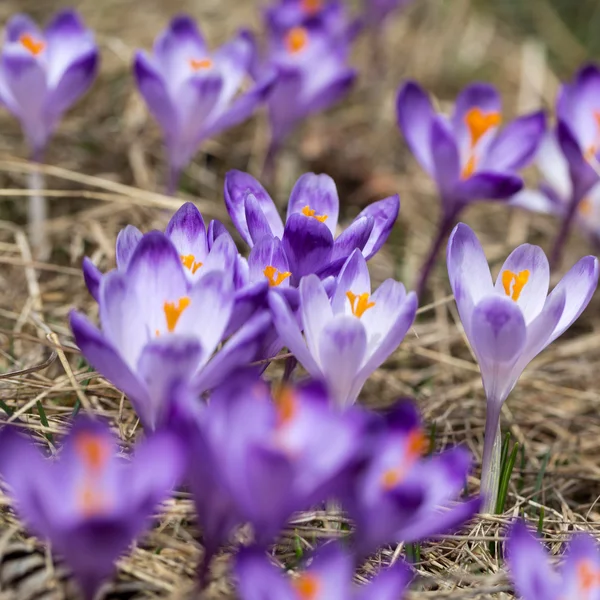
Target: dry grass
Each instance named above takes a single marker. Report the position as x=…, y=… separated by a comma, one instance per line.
x=108, y=169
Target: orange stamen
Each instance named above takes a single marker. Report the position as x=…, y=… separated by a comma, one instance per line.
x=307, y=586
x=417, y=443
x=480, y=123
x=585, y=207
x=359, y=303
x=189, y=262
x=469, y=168
x=286, y=404
x=200, y=64
x=91, y=501
x=93, y=450
x=172, y=312
x=416, y=446
x=311, y=7
x=307, y=211
x=29, y=43
x=587, y=576
x=517, y=281
x=296, y=40
x=274, y=276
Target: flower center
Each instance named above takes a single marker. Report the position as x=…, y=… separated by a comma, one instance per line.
x=296, y=40
x=94, y=452
x=173, y=311
x=478, y=124
x=92, y=501
x=416, y=446
x=307, y=211
x=311, y=7
x=514, y=283
x=189, y=262
x=31, y=44
x=201, y=64
x=359, y=303
x=587, y=577
x=585, y=207
x=306, y=586
x=285, y=403
x=275, y=276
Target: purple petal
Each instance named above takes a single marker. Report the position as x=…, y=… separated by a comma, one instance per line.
x=315, y=310
x=284, y=109
x=19, y=25
x=356, y=236
x=258, y=579
x=127, y=241
x=319, y=193
x=384, y=213
x=389, y=584
x=267, y=252
x=187, y=231
x=256, y=220
x=224, y=257
x=215, y=229
x=234, y=58
x=333, y=569
x=238, y=187
x=483, y=96
x=554, y=166
x=342, y=347
x=332, y=93
x=415, y=117
x=354, y=277
x=582, y=557
x=308, y=245
x=92, y=276
x=445, y=157
x=530, y=262
x=515, y=146
x=486, y=185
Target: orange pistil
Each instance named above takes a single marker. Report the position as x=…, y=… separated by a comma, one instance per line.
x=359, y=303
x=311, y=7
x=30, y=43
x=478, y=123
x=93, y=450
x=307, y=586
x=201, y=64
x=416, y=446
x=275, y=276
x=514, y=283
x=296, y=40
x=189, y=262
x=286, y=404
x=307, y=211
x=91, y=501
x=173, y=312
x=588, y=577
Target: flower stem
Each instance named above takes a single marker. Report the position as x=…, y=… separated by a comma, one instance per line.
x=444, y=229
x=269, y=170
x=173, y=178
x=492, y=450
x=37, y=211
x=563, y=233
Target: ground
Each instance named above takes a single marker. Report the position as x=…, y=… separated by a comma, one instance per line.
x=105, y=169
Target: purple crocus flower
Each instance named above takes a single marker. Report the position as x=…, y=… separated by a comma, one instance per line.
x=90, y=503
x=328, y=577
x=193, y=93
x=42, y=73
x=510, y=322
x=400, y=496
x=533, y=576
x=466, y=155
x=348, y=337
x=160, y=325
x=308, y=235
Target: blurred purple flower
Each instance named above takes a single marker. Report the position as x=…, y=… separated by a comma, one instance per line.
x=510, y=322
x=466, y=155
x=159, y=325
x=311, y=223
x=400, y=496
x=535, y=579
x=42, y=73
x=348, y=337
x=329, y=577
x=90, y=503
x=192, y=93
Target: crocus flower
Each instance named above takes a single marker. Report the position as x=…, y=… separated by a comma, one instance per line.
x=329, y=577
x=308, y=235
x=533, y=576
x=193, y=93
x=510, y=322
x=468, y=156
x=159, y=325
x=42, y=73
x=348, y=337
x=90, y=503
x=401, y=496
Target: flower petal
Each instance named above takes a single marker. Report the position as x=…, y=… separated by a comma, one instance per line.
x=445, y=157
x=487, y=185
x=92, y=276
x=20, y=24
x=355, y=236
x=389, y=584
x=268, y=252
x=258, y=579
x=257, y=222
x=582, y=555
x=315, y=310
x=384, y=213
x=354, y=277
x=187, y=231
x=127, y=241
x=554, y=166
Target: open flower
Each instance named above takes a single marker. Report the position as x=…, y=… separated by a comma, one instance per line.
x=510, y=322
x=329, y=577
x=468, y=156
x=308, y=236
x=158, y=326
x=193, y=93
x=348, y=337
x=401, y=496
x=42, y=73
x=533, y=576
x=90, y=503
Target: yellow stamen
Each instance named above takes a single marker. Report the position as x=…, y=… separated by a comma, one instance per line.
x=189, y=262
x=311, y=7
x=516, y=280
x=307, y=586
x=30, y=43
x=359, y=303
x=416, y=446
x=296, y=40
x=480, y=123
x=93, y=450
x=285, y=403
x=172, y=312
x=274, y=276
x=201, y=64
x=307, y=211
